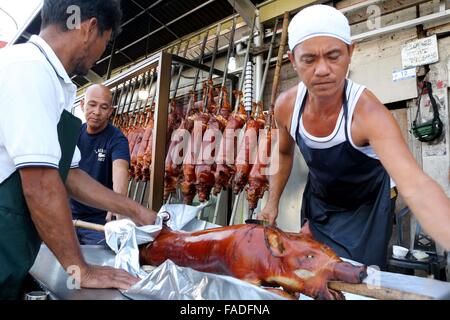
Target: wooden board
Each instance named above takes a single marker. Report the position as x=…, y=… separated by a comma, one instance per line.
x=386, y=52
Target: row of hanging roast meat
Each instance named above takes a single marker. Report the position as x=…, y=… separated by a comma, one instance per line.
x=231, y=162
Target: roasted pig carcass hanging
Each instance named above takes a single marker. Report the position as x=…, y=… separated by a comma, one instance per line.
x=246, y=156
x=211, y=105
x=136, y=143
x=225, y=109
x=147, y=156
x=132, y=134
x=262, y=255
x=258, y=180
x=173, y=120
x=225, y=160
x=187, y=185
x=205, y=166
x=145, y=148
x=177, y=151
x=174, y=158
x=204, y=170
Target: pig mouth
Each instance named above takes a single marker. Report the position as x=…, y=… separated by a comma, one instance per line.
x=340, y=271
x=347, y=272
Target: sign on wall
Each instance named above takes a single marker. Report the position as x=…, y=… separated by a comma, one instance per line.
x=420, y=52
x=399, y=75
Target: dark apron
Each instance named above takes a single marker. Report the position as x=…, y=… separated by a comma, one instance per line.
x=347, y=199
x=19, y=240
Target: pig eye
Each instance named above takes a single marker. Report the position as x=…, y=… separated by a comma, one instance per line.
x=310, y=256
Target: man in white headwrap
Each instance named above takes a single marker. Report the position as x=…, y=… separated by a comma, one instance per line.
x=352, y=146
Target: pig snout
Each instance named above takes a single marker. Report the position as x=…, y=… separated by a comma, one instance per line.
x=347, y=272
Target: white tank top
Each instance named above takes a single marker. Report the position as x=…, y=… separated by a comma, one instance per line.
x=338, y=135
x=353, y=93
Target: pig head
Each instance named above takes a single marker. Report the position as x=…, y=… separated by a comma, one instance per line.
x=308, y=265
x=262, y=255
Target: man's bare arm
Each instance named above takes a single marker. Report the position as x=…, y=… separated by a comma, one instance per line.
x=46, y=198
x=120, y=180
x=85, y=189
x=120, y=176
x=423, y=195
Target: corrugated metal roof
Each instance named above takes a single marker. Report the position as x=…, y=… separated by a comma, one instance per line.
x=133, y=37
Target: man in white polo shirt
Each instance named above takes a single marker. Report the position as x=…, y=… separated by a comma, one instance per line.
x=38, y=146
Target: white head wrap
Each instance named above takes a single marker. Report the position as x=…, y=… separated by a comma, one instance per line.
x=318, y=20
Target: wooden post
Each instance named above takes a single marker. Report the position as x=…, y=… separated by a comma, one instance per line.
x=155, y=200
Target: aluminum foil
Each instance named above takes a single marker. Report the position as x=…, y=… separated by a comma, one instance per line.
x=124, y=237
x=171, y=282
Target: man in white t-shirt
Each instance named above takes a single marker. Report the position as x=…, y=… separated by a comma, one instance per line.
x=352, y=146
x=38, y=145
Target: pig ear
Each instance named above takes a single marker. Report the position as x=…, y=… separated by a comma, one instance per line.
x=274, y=241
x=306, y=231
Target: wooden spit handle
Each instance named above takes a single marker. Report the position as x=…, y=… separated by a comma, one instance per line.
x=276, y=78
x=88, y=225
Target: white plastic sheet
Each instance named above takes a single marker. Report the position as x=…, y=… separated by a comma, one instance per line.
x=124, y=237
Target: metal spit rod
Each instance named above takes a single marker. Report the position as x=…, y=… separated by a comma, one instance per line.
x=269, y=56
x=125, y=88
x=213, y=61
x=200, y=60
x=132, y=90
x=141, y=83
x=114, y=114
x=197, y=73
x=180, y=71
x=225, y=72
x=150, y=75
x=148, y=115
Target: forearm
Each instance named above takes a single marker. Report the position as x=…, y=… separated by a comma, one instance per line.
x=431, y=206
x=279, y=179
x=46, y=198
x=120, y=177
x=90, y=192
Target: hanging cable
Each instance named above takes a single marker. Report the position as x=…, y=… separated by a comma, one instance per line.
x=10, y=16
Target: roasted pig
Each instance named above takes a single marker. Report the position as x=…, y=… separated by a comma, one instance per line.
x=262, y=255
